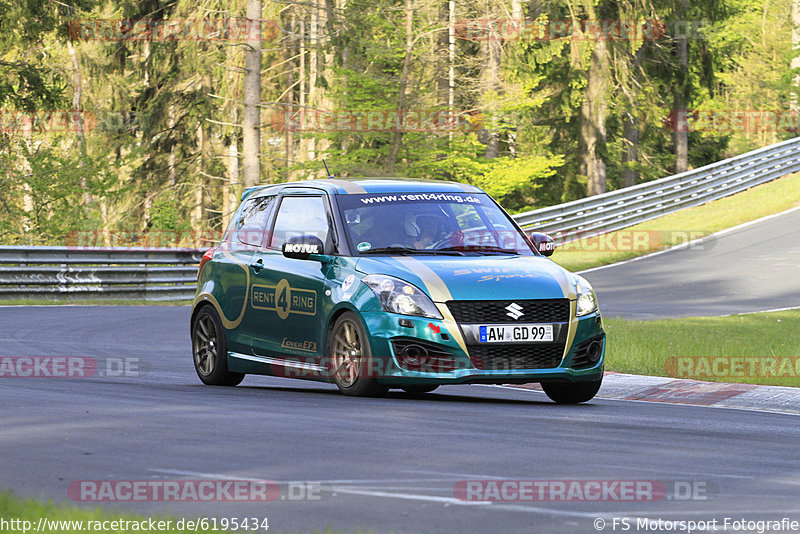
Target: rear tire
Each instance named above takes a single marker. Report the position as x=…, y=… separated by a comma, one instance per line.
x=351, y=358
x=572, y=392
x=210, y=350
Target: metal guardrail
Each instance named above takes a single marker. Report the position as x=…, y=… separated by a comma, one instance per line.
x=625, y=207
x=74, y=273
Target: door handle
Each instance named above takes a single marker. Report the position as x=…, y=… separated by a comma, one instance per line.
x=257, y=266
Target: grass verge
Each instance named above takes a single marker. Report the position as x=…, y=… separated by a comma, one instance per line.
x=20, y=511
x=758, y=348
x=70, y=519
x=682, y=226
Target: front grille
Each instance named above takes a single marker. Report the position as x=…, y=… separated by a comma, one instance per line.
x=511, y=357
x=493, y=311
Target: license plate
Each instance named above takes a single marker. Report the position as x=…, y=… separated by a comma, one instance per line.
x=516, y=333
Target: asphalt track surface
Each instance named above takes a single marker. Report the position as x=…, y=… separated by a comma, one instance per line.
x=752, y=268
x=384, y=464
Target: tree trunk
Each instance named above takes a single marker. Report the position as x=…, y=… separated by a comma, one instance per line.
x=171, y=157
x=147, y=203
x=77, y=94
x=534, y=9
x=302, y=81
x=290, y=65
x=196, y=214
x=251, y=121
x=327, y=23
x=680, y=135
x=491, y=88
x=445, y=61
x=516, y=12
x=442, y=54
x=630, y=125
x=397, y=137
x=795, y=64
x=592, y=119
x=231, y=187
x=519, y=21
x=313, y=70
x=630, y=156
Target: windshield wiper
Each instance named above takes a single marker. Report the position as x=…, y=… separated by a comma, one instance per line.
x=481, y=249
x=402, y=251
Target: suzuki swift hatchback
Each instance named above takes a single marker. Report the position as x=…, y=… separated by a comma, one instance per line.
x=375, y=284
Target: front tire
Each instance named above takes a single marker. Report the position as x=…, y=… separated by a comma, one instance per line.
x=210, y=350
x=348, y=346
x=572, y=392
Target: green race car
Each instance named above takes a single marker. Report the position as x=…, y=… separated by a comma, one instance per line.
x=375, y=284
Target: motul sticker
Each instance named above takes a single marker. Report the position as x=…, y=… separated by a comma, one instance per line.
x=301, y=248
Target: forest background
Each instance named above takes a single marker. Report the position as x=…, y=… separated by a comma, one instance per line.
x=140, y=122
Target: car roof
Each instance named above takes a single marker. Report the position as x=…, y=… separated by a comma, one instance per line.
x=361, y=186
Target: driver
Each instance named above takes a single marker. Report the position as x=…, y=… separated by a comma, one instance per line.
x=423, y=229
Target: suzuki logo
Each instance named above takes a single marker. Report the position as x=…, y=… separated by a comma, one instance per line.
x=514, y=310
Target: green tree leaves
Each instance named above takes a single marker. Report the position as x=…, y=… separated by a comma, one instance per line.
x=162, y=148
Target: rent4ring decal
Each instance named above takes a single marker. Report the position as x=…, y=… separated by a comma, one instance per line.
x=284, y=299
x=420, y=197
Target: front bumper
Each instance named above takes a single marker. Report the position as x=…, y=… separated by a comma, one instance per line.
x=444, y=359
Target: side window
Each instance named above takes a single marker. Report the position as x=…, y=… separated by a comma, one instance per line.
x=249, y=229
x=298, y=216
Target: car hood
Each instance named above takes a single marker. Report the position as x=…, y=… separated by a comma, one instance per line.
x=477, y=277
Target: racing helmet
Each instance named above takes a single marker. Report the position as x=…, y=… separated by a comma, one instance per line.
x=415, y=221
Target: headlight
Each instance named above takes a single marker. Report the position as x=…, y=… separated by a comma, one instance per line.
x=398, y=296
x=587, y=300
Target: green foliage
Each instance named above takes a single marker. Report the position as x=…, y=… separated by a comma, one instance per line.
x=166, y=214
x=54, y=186
x=169, y=110
x=512, y=181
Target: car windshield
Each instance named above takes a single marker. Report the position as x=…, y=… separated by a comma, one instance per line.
x=429, y=223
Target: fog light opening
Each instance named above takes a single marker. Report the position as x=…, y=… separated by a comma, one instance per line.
x=413, y=355
x=594, y=351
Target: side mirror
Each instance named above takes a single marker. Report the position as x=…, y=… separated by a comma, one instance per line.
x=543, y=243
x=301, y=247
